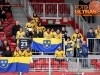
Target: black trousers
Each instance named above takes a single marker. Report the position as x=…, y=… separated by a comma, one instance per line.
x=91, y=18
x=74, y=52
x=91, y=45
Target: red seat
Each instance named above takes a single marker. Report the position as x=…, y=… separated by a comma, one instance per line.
x=93, y=61
x=5, y=22
x=55, y=65
x=5, y=26
x=10, y=38
x=38, y=65
x=31, y=65
x=53, y=8
x=46, y=65
x=54, y=1
x=12, y=22
x=42, y=59
x=64, y=65
x=2, y=38
x=8, y=13
x=12, y=48
x=10, y=41
x=41, y=1
x=48, y=1
x=2, y=34
x=35, y=1
x=12, y=44
x=61, y=1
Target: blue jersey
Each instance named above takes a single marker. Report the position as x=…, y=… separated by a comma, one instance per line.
x=84, y=50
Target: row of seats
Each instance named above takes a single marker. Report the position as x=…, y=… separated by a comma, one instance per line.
x=51, y=8
x=47, y=1
x=39, y=65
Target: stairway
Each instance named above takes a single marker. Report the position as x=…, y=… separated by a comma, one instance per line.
x=18, y=13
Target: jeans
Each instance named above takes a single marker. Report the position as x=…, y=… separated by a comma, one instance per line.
x=69, y=54
x=98, y=43
x=77, y=52
x=85, y=62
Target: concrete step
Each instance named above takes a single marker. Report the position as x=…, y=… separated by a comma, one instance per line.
x=14, y=2
x=19, y=15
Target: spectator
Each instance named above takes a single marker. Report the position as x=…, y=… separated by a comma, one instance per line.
x=74, y=37
x=84, y=54
x=7, y=52
x=59, y=54
x=35, y=17
x=78, y=44
x=47, y=34
x=58, y=34
x=34, y=25
x=1, y=9
x=5, y=44
x=27, y=53
x=0, y=45
x=38, y=34
x=3, y=16
x=97, y=33
x=53, y=33
x=91, y=34
x=81, y=2
x=29, y=33
x=17, y=52
x=41, y=28
x=15, y=28
x=20, y=34
x=90, y=17
x=7, y=8
x=64, y=32
x=69, y=45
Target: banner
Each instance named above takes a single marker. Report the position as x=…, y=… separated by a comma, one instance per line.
x=14, y=64
x=46, y=45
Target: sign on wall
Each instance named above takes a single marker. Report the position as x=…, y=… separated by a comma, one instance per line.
x=24, y=43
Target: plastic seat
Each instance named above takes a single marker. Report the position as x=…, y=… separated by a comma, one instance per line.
x=38, y=65
x=53, y=8
x=64, y=65
x=46, y=65
x=93, y=61
x=41, y=1
x=5, y=26
x=55, y=65
x=2, y=34
x=42, y=59
x=2, y=38
x=12, y=22
x=31, y=65
x=13, y=48
x=10, y=38
x=8, y=13
x=54, y=1
x=48, y=1
x=5, y=22
x=35, y=1
x=61, y=1
x=13, y=44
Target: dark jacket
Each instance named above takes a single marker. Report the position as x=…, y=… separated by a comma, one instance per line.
x=90, y=35
x=7, y=54
x=82, y=3
x=29, y=34
x=4, y=47
x=65, y=34
x=7, y=8
x=39, y=35
x=84, y=51
x=3, y=16
x=15, y=29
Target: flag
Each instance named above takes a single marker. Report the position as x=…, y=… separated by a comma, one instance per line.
x=46, y=45
x=14, y=64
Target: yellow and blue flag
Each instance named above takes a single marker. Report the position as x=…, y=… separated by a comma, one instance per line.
x=46, y=45
x=14, y=64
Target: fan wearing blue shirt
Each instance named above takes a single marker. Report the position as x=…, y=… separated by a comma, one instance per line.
x=90, y=35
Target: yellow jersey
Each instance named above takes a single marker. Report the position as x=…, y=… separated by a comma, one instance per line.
x=59, y=54
x=34, y=26
x=35, y=18
x=78, y=42
x=69, y=45
x=97, y=33
x=28, y=25
x=41, y=28
x=53, y=34
x=27, y=54
x=19, y=35
x=74, y=36
x=47, y=35
x=58, y=36
x=17, y=53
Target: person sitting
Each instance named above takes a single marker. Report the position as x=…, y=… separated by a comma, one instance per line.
x=58, y=35
x=5, y=44
x=69, y=45
x=38, y=34
x=20, y=34
x=41, y=28
x=17, y=52
x=3, y=16
x=59, y=54
x=29, y=33
x=27, y=53
x=53, y=33
x=7, y=52
x=35, y=17
x=47, y=34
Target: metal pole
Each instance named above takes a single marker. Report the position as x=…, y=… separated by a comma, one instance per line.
x=64, y=45
x=20, y=73
x=43, y=9
x=83, y=28
x=57, y=10
x=78, y=66
x=49, y=66
x=79, y=23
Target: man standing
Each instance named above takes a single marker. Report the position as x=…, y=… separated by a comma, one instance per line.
x=15, y=28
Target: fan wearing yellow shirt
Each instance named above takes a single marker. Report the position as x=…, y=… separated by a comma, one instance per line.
x=47, y=34
x=53, y=33
x=20, y=34
x=29, y=25
x=35, y=17
x=17, y=52
x=59, y=54
x=58, y=35
x=27, y=53
x=34, y=25
x=41, y=28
